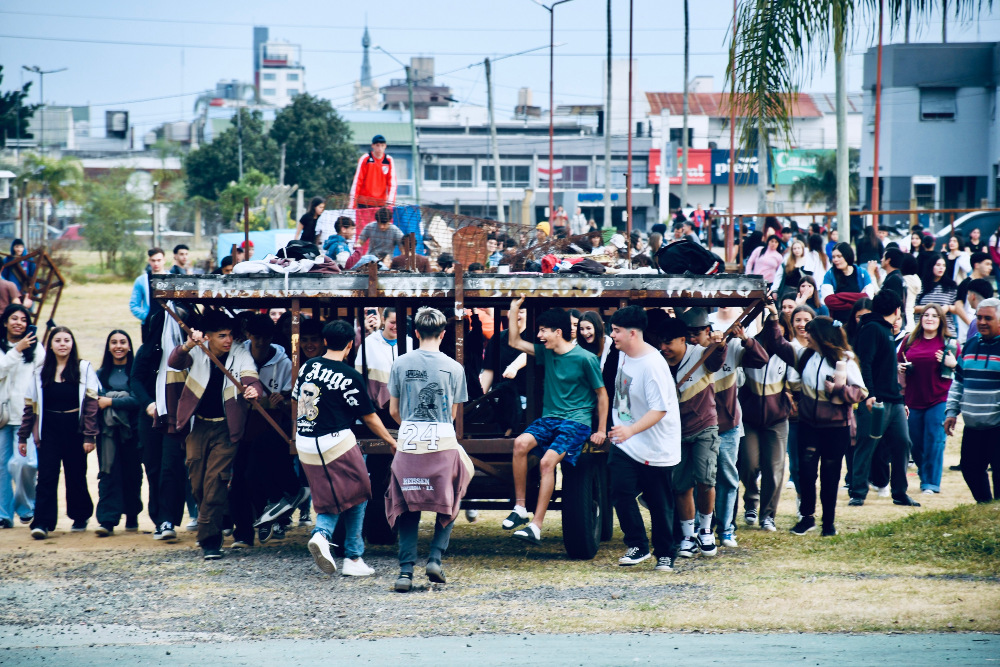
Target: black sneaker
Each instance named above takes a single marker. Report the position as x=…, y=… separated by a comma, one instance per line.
x=689, y=547
x=264, y=533
x=27, y=519
x=804, y=525
x=79, y=526
x=131, y=524
x=829, y=531
x=104, y=530
x=634, y=556
x=514, y=520
x=277, y=531
x=39, y=533
x=435, y=573
x=856, y=502
x=664, y=564
x=211, y=554
x=6, y=523
x=905, y=501
x=404, y=582
x=706, y=542
x=750, y=517
x=165, y=532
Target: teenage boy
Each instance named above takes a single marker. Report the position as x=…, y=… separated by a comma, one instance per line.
x=876, y=351
x=264, y=480
x=748, y=354
x=331, y=397
x=699, y=435
x=573, y=386
x=646, y=441
x=430, y=470
x=971, y=291
x=220, y=415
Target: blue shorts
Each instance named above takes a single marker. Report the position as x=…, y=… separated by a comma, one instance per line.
x=559, y=435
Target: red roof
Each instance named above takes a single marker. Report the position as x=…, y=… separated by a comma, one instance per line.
x=717, y=104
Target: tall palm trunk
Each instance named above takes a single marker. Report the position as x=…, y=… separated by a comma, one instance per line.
x=843, y=157
x=687, y=110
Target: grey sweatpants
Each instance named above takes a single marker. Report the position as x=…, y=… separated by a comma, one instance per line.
x=409, y=525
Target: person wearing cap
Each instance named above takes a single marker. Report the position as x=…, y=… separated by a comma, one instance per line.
x=699, y=431
x=748, y=354
x=374, y=184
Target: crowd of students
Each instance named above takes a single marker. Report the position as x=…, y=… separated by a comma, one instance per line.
x=690, y=414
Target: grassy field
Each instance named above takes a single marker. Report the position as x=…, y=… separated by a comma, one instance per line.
x=936, y=567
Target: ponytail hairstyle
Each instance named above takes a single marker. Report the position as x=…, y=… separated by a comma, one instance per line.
x=830, y=338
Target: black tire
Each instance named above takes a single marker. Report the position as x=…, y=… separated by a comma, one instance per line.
x=377, y=530
x=607, y=506
x=581, y=507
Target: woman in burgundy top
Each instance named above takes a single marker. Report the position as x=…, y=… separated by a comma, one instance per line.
x=928, y=357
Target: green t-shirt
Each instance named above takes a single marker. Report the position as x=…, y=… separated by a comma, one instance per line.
x=570, y=382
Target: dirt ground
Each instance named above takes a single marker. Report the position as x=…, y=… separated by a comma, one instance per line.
x=771, y=582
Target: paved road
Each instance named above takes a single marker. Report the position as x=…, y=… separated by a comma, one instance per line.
x=100, y=645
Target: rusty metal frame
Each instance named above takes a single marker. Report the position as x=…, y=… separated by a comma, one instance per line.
x=453, y=293
x=46, y=280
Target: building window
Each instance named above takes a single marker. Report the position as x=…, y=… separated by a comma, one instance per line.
x=449, y=175
x=292, y=92
x=269, y=76
x=572, y=177
x=513, y=176
x=268, y=92
x=938, y=103
x=292, y=76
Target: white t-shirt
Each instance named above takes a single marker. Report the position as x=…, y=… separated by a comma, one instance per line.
x=643, y=384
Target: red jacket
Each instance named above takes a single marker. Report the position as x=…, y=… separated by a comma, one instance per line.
x=374, y=182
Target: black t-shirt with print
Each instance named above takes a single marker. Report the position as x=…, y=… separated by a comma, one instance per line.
x=331, y=397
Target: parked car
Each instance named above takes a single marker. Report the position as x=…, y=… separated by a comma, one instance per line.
x=987, y=221
x=72, y=233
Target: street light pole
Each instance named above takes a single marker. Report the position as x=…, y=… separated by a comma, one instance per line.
x=551, y=9
x=413, y=126
x=41, y=93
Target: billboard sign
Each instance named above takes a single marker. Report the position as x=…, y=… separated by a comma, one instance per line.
x=746, y=167
x=788, y=166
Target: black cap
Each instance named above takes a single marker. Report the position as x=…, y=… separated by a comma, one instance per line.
x=378, y=139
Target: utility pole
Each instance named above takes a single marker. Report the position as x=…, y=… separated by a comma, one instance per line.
x=607, y=133
x=281, y=166
x=152, y=208
x=687, y=111
x=843, y=159
x=497, y=176
x=239, y=132
x=414, y=157
x=41, y=94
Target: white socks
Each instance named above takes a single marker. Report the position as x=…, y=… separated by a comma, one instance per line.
x=521, y=511
x=704, y=521
x=687, y=527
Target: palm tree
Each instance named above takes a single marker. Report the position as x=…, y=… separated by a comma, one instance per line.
x=779, y=42
x=56, y=179
x=821, y=187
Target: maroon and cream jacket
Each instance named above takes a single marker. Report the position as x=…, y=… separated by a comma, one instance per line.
x=697, y=394
x=336, y=471
x=727, y=404
x=815, y=405
x=764, y=395
x=428, y=475
x=239, y=363
x=34, y=409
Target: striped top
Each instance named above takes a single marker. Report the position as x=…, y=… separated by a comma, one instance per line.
x=977, y=383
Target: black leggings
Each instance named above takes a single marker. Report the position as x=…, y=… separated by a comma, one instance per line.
x=821, y=449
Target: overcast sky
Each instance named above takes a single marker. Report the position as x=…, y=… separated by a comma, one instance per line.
x=119, y=53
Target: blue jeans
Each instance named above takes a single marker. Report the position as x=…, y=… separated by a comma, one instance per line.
x=727, y=479
x=793, y=453
x=354, y=544
x=17, y=475
x=928, y=438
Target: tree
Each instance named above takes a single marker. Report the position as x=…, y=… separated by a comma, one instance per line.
x=778, y=42
x=55, y=179
x=319, y=153
x=211, y=168
x=111, y=215
x=231, y=199
x=14, y=113
x=821, y=187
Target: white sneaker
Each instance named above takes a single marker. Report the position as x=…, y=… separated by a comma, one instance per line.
x=789, y=484
x=471, y=515
x=356, y=568
x=729, y=539
x=192, y=524
x=927, y=492
x=884, y=492
x=319, y=547
x=768, y=524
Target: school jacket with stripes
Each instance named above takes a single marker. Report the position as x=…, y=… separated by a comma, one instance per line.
x=750, y=354
x=764, y=395
x=697, y=394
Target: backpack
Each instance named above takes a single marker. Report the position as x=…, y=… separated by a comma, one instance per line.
x=296, y=249
x=687, y=256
